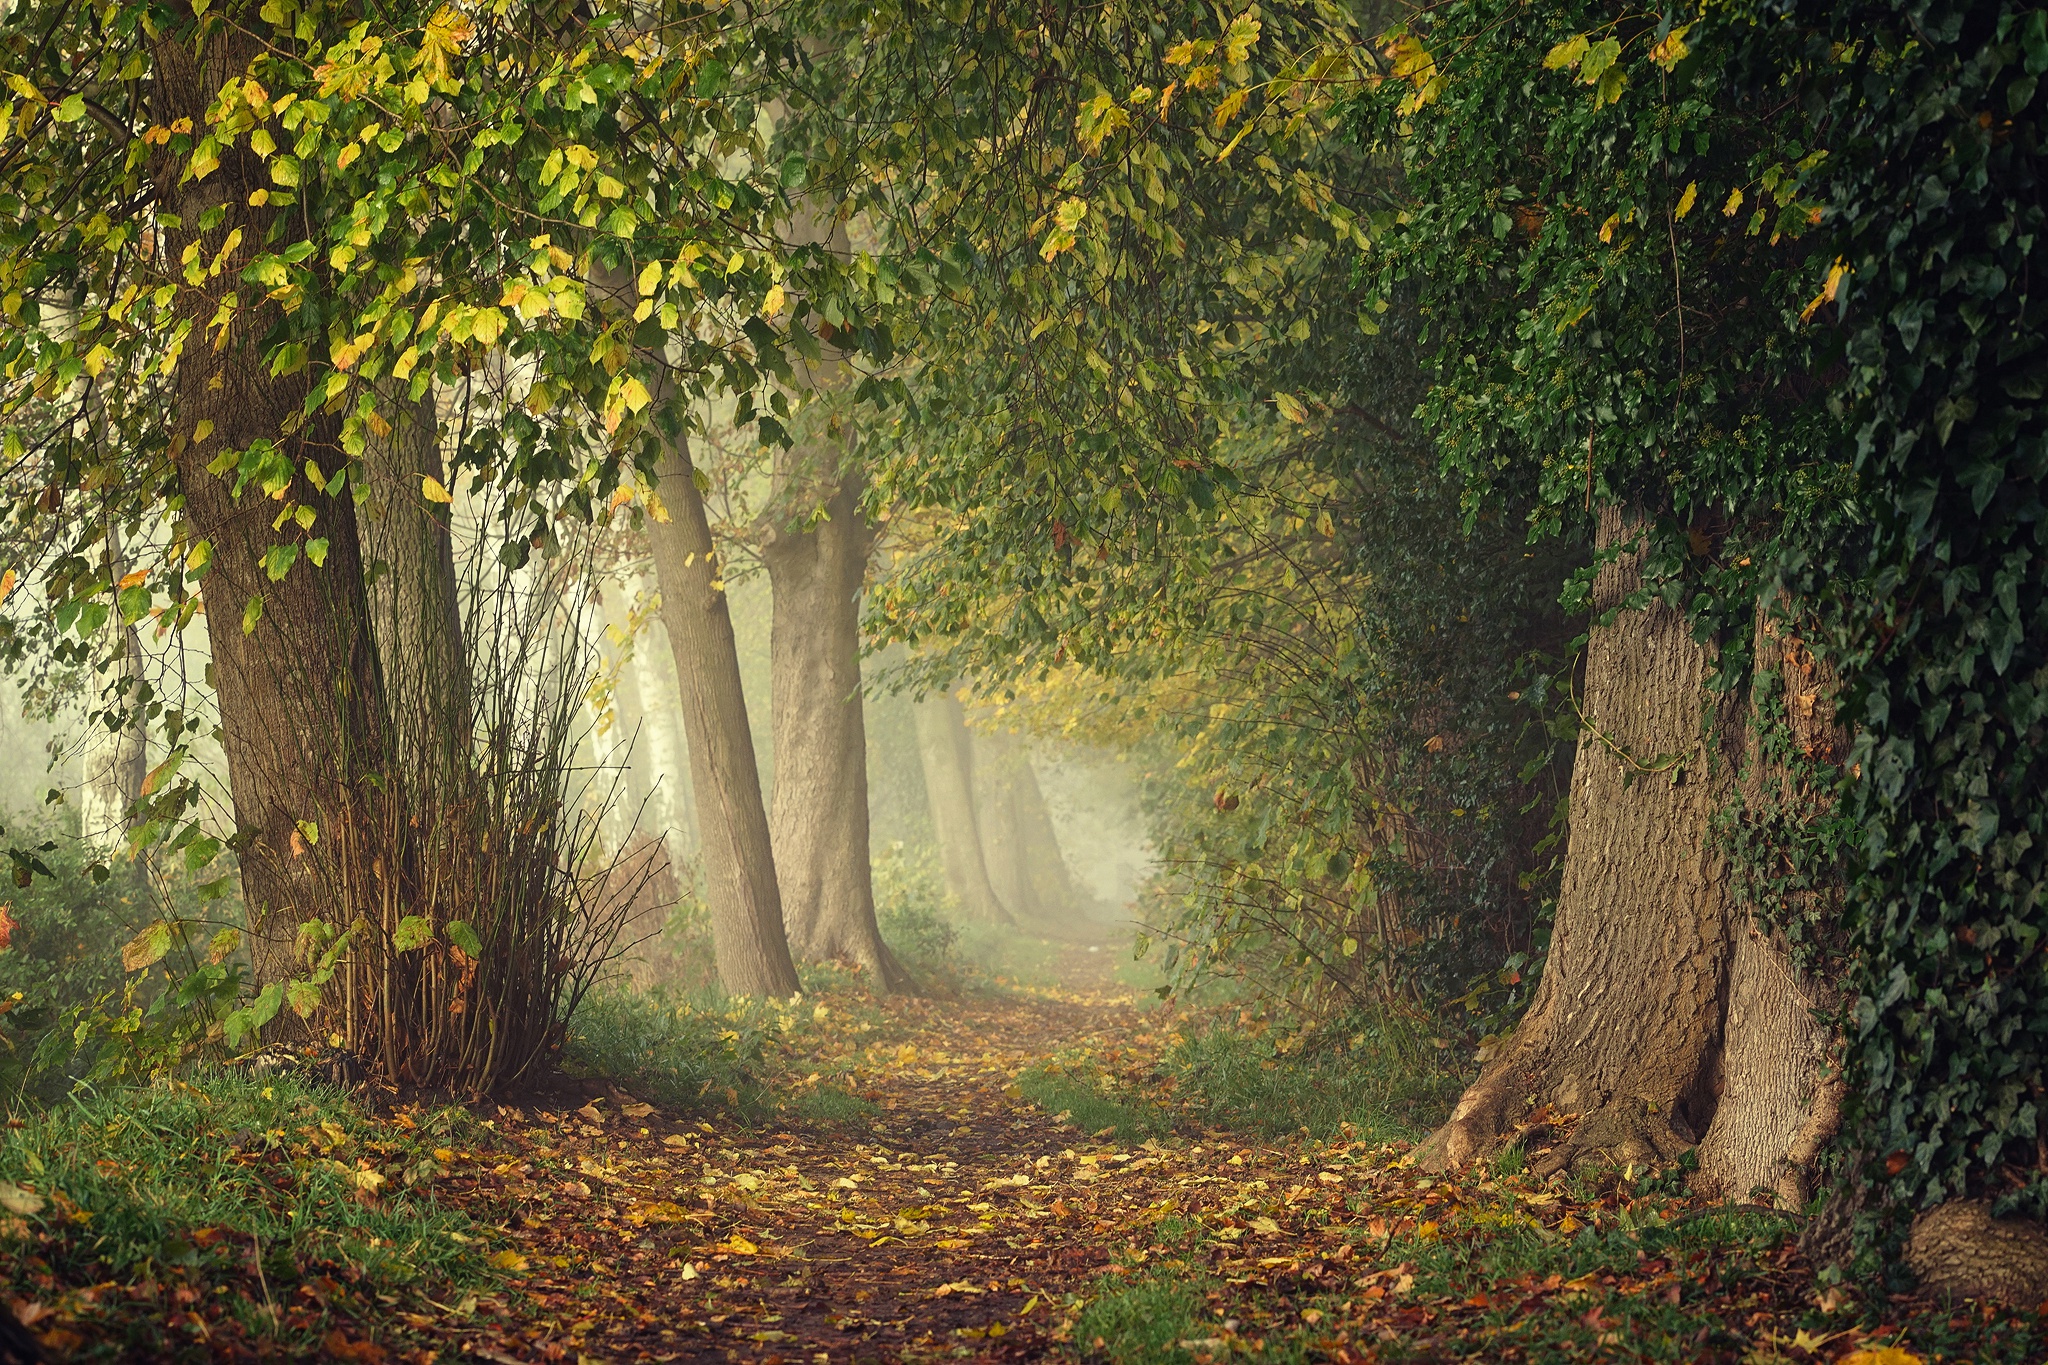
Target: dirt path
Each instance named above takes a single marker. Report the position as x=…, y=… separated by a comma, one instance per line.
x=955, y=1221
x=958, y=1222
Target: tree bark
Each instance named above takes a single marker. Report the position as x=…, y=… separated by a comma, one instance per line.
x=415, y=599
x=821, y=762
x=945, y=750
x=301, y=714
x=1626, y=1028
x=739, y=862
x=116, y=761
x=1778, y=1108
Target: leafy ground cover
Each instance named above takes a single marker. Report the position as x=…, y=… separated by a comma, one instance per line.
x=997, y=1175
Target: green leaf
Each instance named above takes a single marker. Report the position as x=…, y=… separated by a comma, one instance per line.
x=462, y=936
x=303, y=997
x=413, y=932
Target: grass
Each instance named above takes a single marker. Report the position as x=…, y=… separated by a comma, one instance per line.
x=1083, y=1095
x=229, y=1194
x=684, y=1055
x=1382, y=1080
x=1701, y=1288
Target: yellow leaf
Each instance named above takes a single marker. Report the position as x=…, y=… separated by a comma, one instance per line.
x=7, y=582
x=1607, y=228
x=1734, y=204
x=1882, y=1355
x=1566, y=54
x=508, y=1260
x=1836, y=274
x=1685, y=201
x=739, y=1246
x=367, y=1179
x=432, y=490
x=772, y=304
x=1672, y=49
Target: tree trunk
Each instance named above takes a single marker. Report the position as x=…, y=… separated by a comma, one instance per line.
x=821, y=758
x=1626, y=1027
x=415, y=599
x=945, y=749
x=739, y=863
x=116, y=761
x=1019, y=845
x=1777, y=1108
x=300, y=710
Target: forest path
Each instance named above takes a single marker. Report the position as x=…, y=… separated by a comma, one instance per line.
x=952, y=1223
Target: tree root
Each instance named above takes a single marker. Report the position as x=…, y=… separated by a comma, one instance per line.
x=1624, y=1131
x=1961, y=1250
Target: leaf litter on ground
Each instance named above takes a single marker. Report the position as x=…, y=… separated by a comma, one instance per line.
x=936, y=1212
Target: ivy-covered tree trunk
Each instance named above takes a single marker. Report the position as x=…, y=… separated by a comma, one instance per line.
x=1625, y=1030
x=1779, y=1106
x=739, y=861
x=945, y=750
x=821, y=752
x=294, y=665
x=1672, y=1011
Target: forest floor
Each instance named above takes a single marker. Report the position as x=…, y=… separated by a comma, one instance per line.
x=944, y=1216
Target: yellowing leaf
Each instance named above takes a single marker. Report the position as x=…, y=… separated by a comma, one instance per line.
x=739, y=1246
x=147, y=948
x=1836, y=274
x=1566, y=54
x=772, y=304
x=1671, y=49
x=508, y=1260
x=1607, y=228
x=16, y=1200
x=1881, y=1355
x=1734, y=204
x=1685, y=201
x=433, y=490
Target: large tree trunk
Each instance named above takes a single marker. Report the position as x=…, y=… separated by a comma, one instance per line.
x=1625, y=1030
x=1018, y=843
x=297, y=686
x=821, y=760
x=1669, y=1012
x=415, y=604
x=1778, y=1109
x=945, y=749
x=739, y=862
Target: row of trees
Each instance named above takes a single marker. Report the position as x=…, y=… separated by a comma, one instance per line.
x=1272, y=372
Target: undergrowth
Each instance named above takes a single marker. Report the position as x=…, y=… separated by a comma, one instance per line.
x=231, y=1188
x=1385, y=1079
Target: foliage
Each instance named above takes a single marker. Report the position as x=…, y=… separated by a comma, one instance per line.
x=1156, y=437
x=1756, y=269
x=57, y=957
